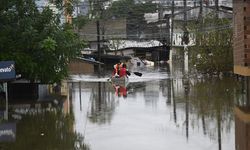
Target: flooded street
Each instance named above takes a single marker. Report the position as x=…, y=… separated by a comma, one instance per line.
x=160, y=111
x=125, y=75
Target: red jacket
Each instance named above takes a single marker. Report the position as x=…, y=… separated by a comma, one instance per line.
x=123, y=72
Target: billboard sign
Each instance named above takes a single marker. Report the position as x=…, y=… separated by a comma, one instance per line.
x=7, y=70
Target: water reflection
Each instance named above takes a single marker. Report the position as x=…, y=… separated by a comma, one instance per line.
x=43, y=128
x=120, y=90
x=151, y=93
x=102, y=104
x=166, y=113
x=98, y=100
x=42, y=124
x=213, y=100
x=209, y=103
x=201, y=110
x=242, y=117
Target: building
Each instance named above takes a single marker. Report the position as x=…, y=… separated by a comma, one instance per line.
x=152, y=50
x=241, y=47
x=241, y=40
x=83, y=66
x=110, y=29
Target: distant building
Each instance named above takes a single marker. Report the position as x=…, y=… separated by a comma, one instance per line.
x=192, y=15
x=191, y=3
x=46, y=3
x=84, y=8
x=241, y=36
x=162, y=29
x=83, y=66
x=122, y=44
x=111, y=29
x=81, y=8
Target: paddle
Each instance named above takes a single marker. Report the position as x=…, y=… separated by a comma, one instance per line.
x=136, y=73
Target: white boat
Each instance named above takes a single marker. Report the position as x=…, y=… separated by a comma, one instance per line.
x=123, y=81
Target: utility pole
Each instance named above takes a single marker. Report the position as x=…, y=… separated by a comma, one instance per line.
x=98, y=45
x=200, y=18
x=77, y=9
x=160, y=16
x=172, y=24
x=201, y=11
x=217, y=8
x=185, y=38
x=6, y=101
x=185, y=13
x=167, y=17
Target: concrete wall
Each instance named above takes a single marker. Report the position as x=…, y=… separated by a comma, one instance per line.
x=80, y=67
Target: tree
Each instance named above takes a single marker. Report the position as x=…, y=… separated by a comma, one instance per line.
x=35, y=39
x=213, y=51
x=96, y=8
x=129, y=8
x=120, y=9
x=80, y=21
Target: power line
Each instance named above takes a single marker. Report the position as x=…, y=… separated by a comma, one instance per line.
x=207, y=29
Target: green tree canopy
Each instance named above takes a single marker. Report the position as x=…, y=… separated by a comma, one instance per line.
x=128, y=8
x=213, y=51
x=35, y=39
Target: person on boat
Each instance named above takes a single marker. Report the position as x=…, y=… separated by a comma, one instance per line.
x=123, y=71
x=116, y=70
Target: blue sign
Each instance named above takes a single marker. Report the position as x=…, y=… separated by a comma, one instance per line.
x=7, y=132
x=7, y=70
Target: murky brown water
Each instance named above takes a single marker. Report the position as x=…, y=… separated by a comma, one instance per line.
x=157, y=111
x=160, y=113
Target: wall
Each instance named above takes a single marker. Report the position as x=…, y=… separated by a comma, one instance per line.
x=80, y=67
x=241, y=37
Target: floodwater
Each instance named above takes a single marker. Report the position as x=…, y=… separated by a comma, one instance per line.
x=158, y=111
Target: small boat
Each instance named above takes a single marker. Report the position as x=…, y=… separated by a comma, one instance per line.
x=123, y=81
